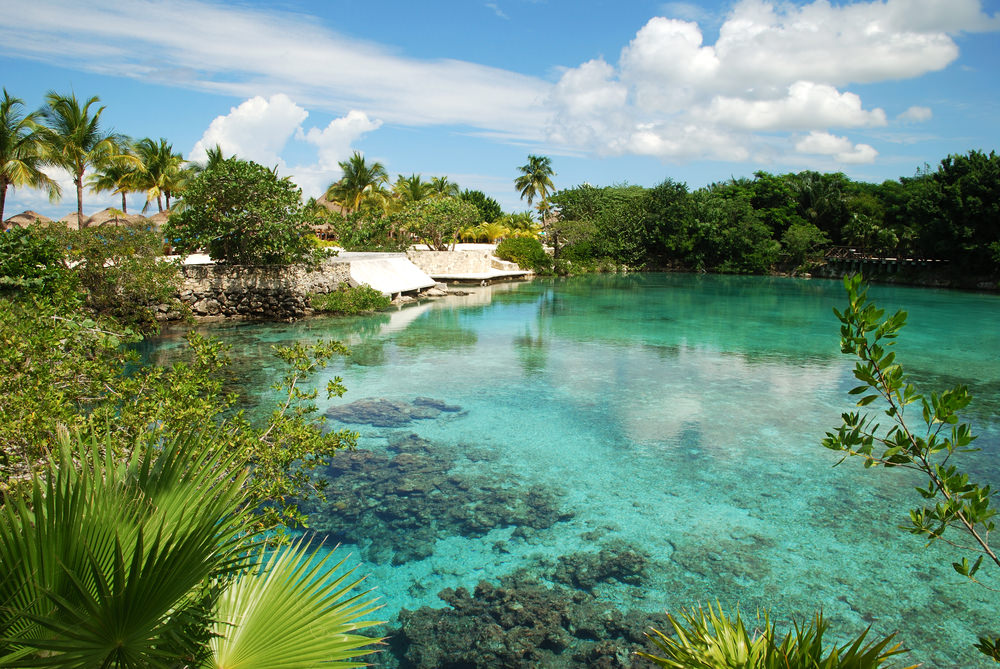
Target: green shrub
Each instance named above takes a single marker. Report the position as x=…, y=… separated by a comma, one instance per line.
x=527, y=252
x=711, y=640
x=243, y=213
x=32, y=260
x=349, y=300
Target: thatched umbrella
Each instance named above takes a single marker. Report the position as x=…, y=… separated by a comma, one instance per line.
x=159, y=219
x=109, y=216
x=72, y=221
x=26, y=218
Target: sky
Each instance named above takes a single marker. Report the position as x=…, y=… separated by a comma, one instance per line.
x=613, y=92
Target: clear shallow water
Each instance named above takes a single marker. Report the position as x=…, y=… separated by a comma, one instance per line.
x=680, y=414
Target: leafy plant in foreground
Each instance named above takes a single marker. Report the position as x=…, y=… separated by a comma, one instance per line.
x=712, y=640
x=150, y=561
x=925, y=443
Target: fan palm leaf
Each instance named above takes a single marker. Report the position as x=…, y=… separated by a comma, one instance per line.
x=108, y=563
x=289, y=614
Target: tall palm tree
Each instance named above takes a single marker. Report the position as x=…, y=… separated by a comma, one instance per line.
x=162, y=170
x=412, y=188
x=536, y=179
x=441, y=187
x=21, y=149
x=74, y=139
x=118, y=178
x=358, y=180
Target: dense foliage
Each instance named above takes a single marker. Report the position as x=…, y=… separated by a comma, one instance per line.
x=347, y=300
x=243, y=213
x=489, y=209
x=437, y=221
x=788, y=221
x=527, y=252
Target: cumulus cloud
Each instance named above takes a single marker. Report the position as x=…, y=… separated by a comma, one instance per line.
x=260, y=129
x=840, y=148
x=775, y=68
x=916, y=114
x=334, y=141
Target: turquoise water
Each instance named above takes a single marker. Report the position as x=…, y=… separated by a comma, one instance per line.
x=679, y=414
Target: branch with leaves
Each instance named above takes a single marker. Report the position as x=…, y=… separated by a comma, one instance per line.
x=924, y=434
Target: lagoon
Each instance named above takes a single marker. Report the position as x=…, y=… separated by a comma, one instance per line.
x=677, y=416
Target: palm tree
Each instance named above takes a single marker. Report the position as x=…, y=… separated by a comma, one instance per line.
x=441, y=187
x=162, y=171
x=75, y=141
x=21, y=149
x=116, y=177
x=412, y=188
x=536, y=179
x=359, y=179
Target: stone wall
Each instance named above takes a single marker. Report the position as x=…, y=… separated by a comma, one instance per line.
x=272, y=293
x=458, y=262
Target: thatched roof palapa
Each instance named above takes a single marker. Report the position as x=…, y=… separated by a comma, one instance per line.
x=159, y=219
x=109, y=216
x=26, y=218
x=72, y=221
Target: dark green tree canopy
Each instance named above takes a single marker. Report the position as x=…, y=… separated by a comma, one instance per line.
x=243, y=213
x=489, y=209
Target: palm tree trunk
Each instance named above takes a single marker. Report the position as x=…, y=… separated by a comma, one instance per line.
x=166, y=194
x=3, y=200
x=159, y=201
x=79, y=198
x=124, y=205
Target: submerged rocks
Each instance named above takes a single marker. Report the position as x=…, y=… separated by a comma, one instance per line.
x=397, y=505
x=381, y=412
x=616, y=561
x=520, y=623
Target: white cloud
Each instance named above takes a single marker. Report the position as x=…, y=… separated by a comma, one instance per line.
x=916, y=114
x=260, y=129
x=840, y=148
x=775, y=68
x=247, y=52
x=257, y=130
x=807, y=105
x=334, y=141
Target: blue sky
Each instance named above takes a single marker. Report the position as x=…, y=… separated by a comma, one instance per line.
x=614, y=92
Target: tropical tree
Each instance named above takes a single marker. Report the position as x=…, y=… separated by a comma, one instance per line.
x=242, y=213
x=75, y=141
x=116, y=177
x=412, y=188
x=162, y=172
x=21, y=147
x=359, y=179
x=441, y=187
x=536, y=179
x=489, y=209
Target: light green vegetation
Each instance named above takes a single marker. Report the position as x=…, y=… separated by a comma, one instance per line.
x=349, y=300
x=924, y=434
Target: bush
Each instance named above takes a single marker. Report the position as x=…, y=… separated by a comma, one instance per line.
x=527, y=252
x=349, y=300
x=711, y=640
x=34, y=261
x=242, y=213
